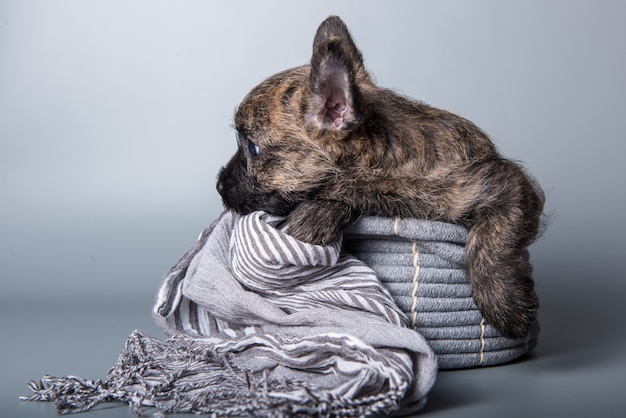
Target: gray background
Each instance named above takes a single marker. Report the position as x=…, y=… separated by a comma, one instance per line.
x=116, y=115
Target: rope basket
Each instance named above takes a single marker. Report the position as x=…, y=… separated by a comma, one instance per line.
x=421, y=264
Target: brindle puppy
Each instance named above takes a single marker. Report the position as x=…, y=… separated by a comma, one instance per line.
x=324, y=145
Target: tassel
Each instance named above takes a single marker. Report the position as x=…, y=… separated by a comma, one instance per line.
x=71, y=394
x=176, y=375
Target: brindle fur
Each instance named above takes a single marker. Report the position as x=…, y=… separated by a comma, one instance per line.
x=333, y=146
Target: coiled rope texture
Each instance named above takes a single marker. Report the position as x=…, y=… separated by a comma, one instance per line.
x=421, y=263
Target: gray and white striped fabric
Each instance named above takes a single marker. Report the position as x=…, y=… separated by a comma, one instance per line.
x=296, y=312
x=296, y=276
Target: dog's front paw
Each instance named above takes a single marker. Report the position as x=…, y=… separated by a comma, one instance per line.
x=318, y=222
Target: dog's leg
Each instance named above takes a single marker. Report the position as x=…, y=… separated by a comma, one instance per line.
x=319, y=221
x=505, y=223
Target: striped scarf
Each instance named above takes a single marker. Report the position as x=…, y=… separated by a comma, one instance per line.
x=263, y=324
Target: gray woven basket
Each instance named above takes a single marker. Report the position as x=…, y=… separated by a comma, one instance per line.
x=421, y=263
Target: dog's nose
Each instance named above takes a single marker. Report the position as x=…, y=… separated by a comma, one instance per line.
x=220, y=186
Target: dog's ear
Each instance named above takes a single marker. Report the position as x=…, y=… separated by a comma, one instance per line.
x=336, y=65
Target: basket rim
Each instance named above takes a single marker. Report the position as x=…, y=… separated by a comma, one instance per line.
x=372, y=227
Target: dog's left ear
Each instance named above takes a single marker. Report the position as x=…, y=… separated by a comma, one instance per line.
x=336, y=65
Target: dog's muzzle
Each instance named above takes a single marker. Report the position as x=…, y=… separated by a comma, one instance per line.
x=242, y=195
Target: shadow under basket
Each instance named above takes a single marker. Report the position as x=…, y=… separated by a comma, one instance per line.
x=421, y=263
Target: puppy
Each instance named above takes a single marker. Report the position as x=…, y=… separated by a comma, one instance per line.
x=324, y=145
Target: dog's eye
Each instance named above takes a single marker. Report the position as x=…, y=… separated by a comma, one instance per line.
x=253, y=148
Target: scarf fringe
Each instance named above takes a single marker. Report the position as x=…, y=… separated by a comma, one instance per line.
x=186, y=375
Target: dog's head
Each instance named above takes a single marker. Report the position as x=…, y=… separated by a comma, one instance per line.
x=292, y=128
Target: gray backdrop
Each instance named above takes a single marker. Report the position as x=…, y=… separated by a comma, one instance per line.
x=115, y=117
